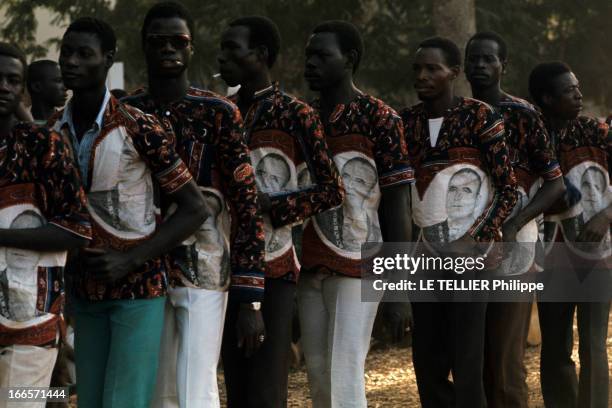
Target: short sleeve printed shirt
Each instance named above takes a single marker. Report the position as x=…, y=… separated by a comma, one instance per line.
x=39, y=184
x=367, y=142
x=465, y=183
x=209, y=139
x=128, y=155
x=584, y=150
x=534, y=160
x=293, y=166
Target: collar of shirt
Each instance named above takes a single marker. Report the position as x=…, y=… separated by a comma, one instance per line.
x=83, y=147
x=340, y=108
x=258, y=95
x=263, y=93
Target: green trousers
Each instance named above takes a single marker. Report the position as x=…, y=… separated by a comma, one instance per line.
x=117, y=351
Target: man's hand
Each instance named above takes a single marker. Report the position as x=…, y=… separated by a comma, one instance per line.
x=595, y=229
x=396, y=318
x=251, y=331
x=106, y=265
x=509, y=230
x=466, y=245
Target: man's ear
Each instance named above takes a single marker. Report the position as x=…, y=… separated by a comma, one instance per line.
x=263, y=54
x=504, y=65
x=547, y=99
x=455, y=70
x=351, y=60
x=109, y=59
x=35, y=86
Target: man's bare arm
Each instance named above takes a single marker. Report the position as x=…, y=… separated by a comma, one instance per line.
x=108, y=265
x=48, y=238
x=546, y=196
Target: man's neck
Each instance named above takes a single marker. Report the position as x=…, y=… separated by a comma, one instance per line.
x=247, y=90
x=555, y=123
x=6, y=124
x=437, y=107
x=492, y=95
x=85, y=107
x=166, y=90
x=341, y=93
x=41, y=111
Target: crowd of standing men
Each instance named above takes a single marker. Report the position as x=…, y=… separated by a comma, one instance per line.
x=170, y=214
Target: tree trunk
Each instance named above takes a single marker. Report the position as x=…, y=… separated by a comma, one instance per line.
x=456, y=20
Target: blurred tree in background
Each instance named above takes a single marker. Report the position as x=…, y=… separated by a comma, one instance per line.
x=576, y=31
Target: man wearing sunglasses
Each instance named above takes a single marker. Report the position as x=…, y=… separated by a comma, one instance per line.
x=208, y=137
x=124, y=157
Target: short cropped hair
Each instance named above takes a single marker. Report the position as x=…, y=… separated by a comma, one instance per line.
x=167, y=9
x=9, y=50
x=36, y=70
x=491, y=36
x=348, y=37
x=101, y=29
x=262, y=32
x=451, y=51
x=541, y=79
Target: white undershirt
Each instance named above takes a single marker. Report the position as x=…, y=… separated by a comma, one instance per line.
x=434, y=129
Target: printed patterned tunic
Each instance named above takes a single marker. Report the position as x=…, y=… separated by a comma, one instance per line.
x=126, y=154
x=465, y=183
x=367, y=142
x=209, y=139
x=584, y=149
x=39, y=184
x=534, y=160
x=293, y=166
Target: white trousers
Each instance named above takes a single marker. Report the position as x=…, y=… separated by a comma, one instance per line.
x=190, y=348
x=336, y=328
x=26, y=366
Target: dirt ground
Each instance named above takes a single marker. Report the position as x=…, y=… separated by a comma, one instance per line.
x=390, y=379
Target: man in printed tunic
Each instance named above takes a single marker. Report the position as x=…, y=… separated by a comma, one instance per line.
x=277, y=125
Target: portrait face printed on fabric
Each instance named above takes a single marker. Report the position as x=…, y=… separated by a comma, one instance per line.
x=210, y=244
x=208, y=235
x=121, y=196
x=450, y=200
x=462, y=197
x=22, y=259
x=346, y=228
x=359, y=178
x=22, y=271
x=591, y=179
x=593, y=188
x=303, y=176
x=272, y=173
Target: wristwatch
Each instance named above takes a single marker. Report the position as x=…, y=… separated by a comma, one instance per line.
x=252, y=306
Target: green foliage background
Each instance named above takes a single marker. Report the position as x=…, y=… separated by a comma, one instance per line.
x=576, y=31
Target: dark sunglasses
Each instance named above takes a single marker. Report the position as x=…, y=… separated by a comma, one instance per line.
x=177, y=41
